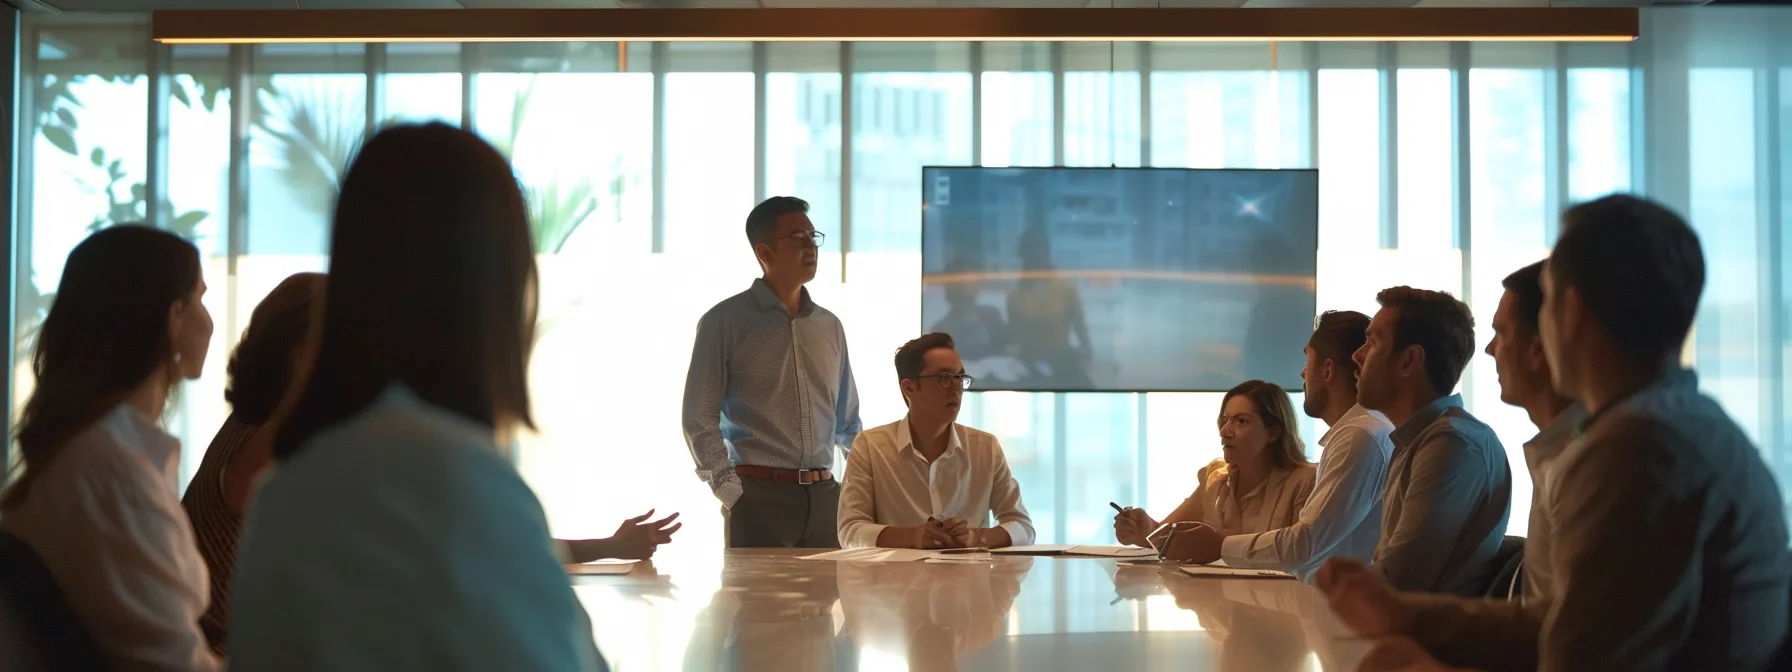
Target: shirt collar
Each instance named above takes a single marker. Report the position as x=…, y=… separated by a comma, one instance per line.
x=156, y=444
x=1561, y=429
x=1349, y=418
x=1675, y=380
x=1415, y=425
x=905, y=440
x=766, y=299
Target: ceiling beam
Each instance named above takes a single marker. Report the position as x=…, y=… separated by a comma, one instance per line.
x=1614, y=24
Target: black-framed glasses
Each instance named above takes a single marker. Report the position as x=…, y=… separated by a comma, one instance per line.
x=948, y=380
x=810, y=238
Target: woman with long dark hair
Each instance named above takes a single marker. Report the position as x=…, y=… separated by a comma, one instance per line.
x=264, y=365
x=394, y=534
x=96, y=499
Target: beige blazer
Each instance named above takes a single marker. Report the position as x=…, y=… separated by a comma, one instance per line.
x=1272, y=505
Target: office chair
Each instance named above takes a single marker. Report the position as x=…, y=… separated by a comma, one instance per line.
x=38, y=628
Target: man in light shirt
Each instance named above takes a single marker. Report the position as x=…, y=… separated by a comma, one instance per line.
x=1524, y=376
x=926, y=481
x=1343, y=517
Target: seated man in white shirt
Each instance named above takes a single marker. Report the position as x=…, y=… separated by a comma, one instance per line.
x=926, y=481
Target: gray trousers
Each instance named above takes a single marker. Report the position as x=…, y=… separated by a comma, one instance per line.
x=783, y=515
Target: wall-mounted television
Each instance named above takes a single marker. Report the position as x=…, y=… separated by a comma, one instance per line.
x=1121, y=279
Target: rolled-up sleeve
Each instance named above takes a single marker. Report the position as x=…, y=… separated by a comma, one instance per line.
x=1349, y=487
x=704, y=386
x=857, y=516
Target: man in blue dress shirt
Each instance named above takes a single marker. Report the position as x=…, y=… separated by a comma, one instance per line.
x=770, y=393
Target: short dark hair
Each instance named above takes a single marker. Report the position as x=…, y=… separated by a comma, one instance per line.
x=432, y=277
x=1526, y=286
x=1439, y=324
x=260, y=370
x=1639, y=269
x=763, y=220
x=909, y=356
x=1337, y=335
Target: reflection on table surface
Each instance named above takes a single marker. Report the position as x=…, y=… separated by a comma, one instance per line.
x=772, y=610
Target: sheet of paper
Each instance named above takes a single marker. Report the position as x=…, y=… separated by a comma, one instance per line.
x=1036, y=549
x=1217, y=570
x=971, y=558
x=874, y=555
x=602, y=567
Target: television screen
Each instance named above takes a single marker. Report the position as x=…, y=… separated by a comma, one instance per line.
x=1121, y=279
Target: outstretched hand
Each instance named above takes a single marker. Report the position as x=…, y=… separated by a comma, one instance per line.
x=637, y=538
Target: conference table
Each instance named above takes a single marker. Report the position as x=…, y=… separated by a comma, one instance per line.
x=773, y=610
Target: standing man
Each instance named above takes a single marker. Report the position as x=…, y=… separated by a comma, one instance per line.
x=770, y=393
x=1343, y=517
x=1449, y=489
x=1669, y=530
x=1525, y=382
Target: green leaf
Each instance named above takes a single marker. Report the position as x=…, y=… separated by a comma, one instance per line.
x=61, y=138
x=188, y=220
x=67, y=118
x=99, y=157
x=180, y=94
x=138, y=193
x=116, y=170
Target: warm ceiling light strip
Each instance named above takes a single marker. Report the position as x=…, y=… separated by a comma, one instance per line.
x=1577, y=24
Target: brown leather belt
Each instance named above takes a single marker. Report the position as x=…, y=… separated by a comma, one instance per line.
x=792, y=476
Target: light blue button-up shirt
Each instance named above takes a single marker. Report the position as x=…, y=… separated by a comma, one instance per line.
x=400, y=540
x=768, y=389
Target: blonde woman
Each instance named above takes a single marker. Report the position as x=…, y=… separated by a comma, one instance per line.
x=1260, y=483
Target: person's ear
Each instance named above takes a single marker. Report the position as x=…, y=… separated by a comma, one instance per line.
x=1412, y=361
x=908, y=390
x=1572, y=314
x=176, y=322
x=1327, y=368
x=1534, y=356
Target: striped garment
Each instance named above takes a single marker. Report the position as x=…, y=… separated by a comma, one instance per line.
x=216, y=526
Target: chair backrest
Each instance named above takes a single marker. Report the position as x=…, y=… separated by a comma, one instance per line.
x=38, y=628
x=1506, y=583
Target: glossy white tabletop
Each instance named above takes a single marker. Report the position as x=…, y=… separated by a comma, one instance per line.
x=771, y=610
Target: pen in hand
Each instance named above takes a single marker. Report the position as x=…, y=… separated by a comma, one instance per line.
x=1117, y=507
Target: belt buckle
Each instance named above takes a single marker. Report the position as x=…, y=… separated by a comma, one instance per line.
x=808, y=476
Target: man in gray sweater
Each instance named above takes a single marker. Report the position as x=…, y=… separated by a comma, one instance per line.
x=1670, y=545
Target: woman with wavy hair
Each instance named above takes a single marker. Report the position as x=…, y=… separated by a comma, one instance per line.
x=1261, y=481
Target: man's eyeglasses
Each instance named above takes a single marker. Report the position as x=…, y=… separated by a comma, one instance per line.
x=803, y=238
x=948, y=380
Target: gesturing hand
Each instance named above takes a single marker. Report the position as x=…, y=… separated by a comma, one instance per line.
x=1131, y=526
x=1363, y=600
x=637, y=539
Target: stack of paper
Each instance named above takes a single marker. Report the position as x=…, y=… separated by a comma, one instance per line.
x=874, y=555
x=1085, y=551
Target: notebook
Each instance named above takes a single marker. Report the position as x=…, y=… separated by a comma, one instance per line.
x=602, y=567
x=1224, y=572
x=1083, y=551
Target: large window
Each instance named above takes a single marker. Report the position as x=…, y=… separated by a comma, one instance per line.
x=1441, y=166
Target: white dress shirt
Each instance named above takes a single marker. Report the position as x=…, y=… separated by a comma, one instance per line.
x=1343, y=517
x=888, y=483
x=104, y=517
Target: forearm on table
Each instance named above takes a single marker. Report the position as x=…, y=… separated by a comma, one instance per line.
x=1485, y=634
